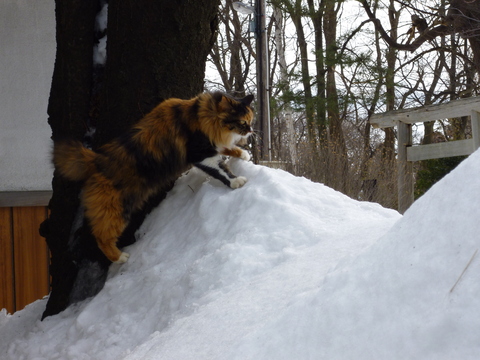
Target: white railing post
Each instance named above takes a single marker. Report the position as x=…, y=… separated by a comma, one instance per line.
x=475, y=120
x=407, y=154
x=404, y=167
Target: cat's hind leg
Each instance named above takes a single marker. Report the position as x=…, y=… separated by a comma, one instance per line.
x=104, y=210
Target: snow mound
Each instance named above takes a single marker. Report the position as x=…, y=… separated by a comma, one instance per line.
x=211, y=266
x=282, y=268
x=412, y=295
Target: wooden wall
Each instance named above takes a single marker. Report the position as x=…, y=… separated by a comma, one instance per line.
x=24, y=257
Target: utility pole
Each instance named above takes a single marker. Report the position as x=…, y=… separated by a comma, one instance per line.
x=263, y=86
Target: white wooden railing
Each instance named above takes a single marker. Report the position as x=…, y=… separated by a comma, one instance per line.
x=407, y=154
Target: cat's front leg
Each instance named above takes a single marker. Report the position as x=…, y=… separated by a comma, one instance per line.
x=245, y=155
x=238, y=182
x=217, y=168
x=236, y=152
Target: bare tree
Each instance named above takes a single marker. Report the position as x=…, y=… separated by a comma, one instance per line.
x=463, y=17
x=232, y=53
x=284, y=85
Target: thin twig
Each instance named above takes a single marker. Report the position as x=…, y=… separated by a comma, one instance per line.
x=463, y=272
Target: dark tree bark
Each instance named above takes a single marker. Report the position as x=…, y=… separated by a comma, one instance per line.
x=337, y=168
x=68, y=111
x=155, y=50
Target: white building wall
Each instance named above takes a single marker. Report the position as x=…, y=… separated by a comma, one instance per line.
x=27, y=56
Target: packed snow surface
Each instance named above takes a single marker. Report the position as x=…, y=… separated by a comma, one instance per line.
x=282, y=268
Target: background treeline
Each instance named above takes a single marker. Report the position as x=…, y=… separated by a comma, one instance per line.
x=335, y=63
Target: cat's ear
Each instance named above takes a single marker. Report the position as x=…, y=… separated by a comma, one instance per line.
x=247, y=100
x=217, y=97
x=222, y=102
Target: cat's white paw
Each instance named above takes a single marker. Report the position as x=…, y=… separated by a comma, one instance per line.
x=123, y=258
x=239, y=181
x=245, y=155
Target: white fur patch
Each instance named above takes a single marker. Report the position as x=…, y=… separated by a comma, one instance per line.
x=245, y=155
x=212, y=161
x=123, y=258
x=238, y=182
x=236, y=138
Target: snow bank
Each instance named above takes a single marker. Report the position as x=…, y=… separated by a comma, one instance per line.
x=282, y=268
x=212, y=265
x=413, y=295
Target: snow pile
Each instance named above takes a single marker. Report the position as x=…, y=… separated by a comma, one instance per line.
x=413, y=295
x=282, y=268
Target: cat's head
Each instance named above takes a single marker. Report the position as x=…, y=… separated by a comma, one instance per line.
x=236, y=115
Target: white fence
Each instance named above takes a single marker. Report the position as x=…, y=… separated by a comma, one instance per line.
x=407, y=154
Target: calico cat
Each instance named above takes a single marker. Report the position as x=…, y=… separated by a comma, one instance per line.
x=121, y=175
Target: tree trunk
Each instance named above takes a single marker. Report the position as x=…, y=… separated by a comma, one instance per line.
x=68, y=111
x=289, y=121
x=155, y=50
x=337, y=171
x=389, y=144
x=296, y=15
x=369, y=181
x=317, y=16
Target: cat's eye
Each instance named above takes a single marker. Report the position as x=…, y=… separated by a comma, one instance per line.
x=243, y=122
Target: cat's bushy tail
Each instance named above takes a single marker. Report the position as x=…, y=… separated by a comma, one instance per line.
x=73, y=160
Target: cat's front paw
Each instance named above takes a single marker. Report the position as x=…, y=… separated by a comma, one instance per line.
x=123, y=258
x=245, y=155
x=238, y=182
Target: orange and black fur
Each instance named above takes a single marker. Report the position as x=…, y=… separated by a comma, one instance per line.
x=120, y=176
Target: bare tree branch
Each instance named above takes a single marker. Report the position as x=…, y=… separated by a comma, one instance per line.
x=425, y=36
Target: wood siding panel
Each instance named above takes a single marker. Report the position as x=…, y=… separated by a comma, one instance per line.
x=30, y=256
x=7, y=279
